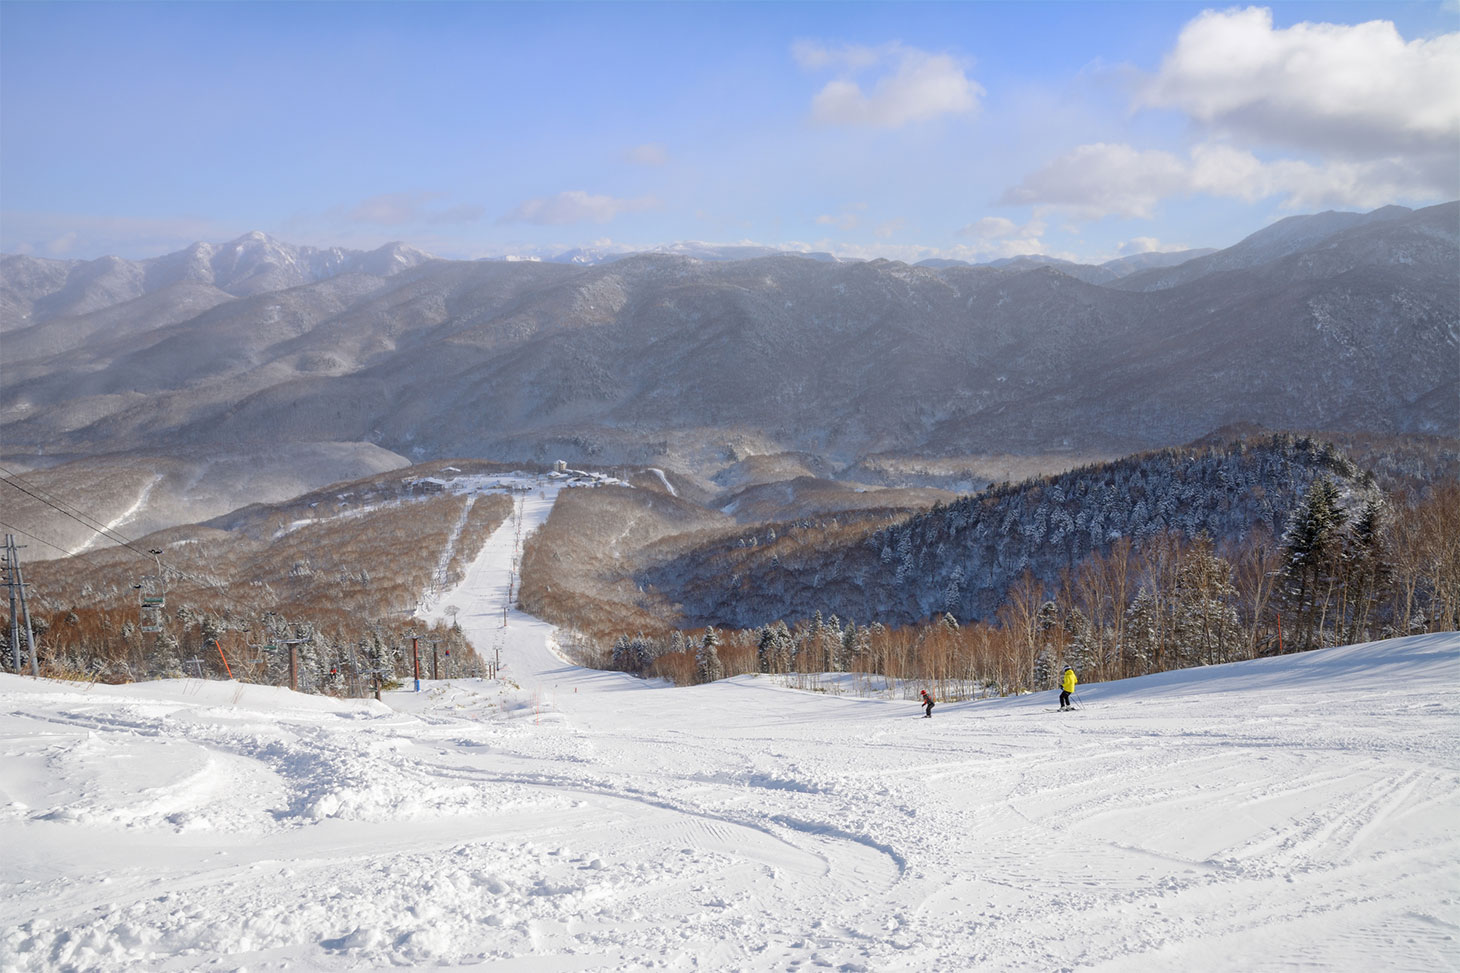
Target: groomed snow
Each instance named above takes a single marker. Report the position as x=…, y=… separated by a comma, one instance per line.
x=1289, y=813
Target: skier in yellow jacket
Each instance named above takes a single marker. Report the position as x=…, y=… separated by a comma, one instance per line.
x=1067, y=685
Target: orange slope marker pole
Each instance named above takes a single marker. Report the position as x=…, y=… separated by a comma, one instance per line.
x=226, y=667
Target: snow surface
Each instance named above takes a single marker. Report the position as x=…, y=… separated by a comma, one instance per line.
x=1290, y=813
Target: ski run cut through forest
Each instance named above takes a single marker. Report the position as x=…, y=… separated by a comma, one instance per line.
x=1295, y=812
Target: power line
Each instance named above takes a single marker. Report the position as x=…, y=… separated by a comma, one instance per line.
x=44, y=495
x=81, y=517
x=12, y=479
x=55, y=503
x=33, y=537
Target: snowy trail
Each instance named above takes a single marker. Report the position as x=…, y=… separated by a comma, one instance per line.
x=1290, y=813
x=448, y=551
x=126, y=515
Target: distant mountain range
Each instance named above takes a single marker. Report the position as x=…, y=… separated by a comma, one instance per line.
x=33, y=290
x=1338, y=321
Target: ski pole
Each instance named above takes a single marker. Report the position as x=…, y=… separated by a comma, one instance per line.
x=1076, y=698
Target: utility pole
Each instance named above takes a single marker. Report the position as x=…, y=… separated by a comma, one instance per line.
x=14, y=618
x=16, y=584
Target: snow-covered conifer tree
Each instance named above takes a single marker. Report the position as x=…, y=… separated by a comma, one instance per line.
x=1141, y=632
x=708, y=666
x=1314, y=547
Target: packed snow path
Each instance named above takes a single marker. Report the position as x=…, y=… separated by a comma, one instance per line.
x=1289, y=813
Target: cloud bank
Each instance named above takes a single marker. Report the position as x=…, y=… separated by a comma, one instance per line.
x=1358, y=90
x=1315, y=115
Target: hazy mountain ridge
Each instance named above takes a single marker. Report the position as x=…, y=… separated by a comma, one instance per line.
x=1283, y=238
x=1102, y=273
x=34, y=290
x=593, y=256
x=663, y=360
x=137, y=494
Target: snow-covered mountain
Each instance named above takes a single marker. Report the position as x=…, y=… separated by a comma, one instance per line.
x=1285, y=237
x=33, y=289
x=694, y=365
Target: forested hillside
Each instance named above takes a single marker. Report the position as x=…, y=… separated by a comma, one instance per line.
x=336, y=573
x=961, y=558
x=1165, y=559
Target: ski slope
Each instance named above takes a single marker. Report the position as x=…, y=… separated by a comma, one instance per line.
x=1285, y=814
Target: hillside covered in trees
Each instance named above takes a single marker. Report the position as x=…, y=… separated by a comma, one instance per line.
x=334, y=573
x=961, y=558
x=1176, y=557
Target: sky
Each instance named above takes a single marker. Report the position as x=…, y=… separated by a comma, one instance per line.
x=970, y=131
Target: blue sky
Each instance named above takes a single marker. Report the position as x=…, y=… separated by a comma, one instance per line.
x=966, y=130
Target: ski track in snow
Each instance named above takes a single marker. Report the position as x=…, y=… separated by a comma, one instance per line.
x=126, y=515
x=1290, y=813
x=443, y=563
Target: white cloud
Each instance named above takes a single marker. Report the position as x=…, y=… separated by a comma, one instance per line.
x=995, y=237
x=1103, y=179
x=911, y=85
x=1316, y=115
x=990, y=228
x=648, y=154
x=1148, y=244
x=1223, y=171
x=576, y=206
x=1360, y=90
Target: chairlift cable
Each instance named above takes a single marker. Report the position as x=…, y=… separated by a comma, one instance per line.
x=34, y=537
x=13, y=480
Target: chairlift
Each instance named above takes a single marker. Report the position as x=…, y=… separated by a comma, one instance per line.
x=152, y=600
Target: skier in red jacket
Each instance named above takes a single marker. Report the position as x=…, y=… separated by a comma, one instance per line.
x=927, y=704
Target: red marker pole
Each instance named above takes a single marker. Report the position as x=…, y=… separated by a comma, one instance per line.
x=416, y=657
